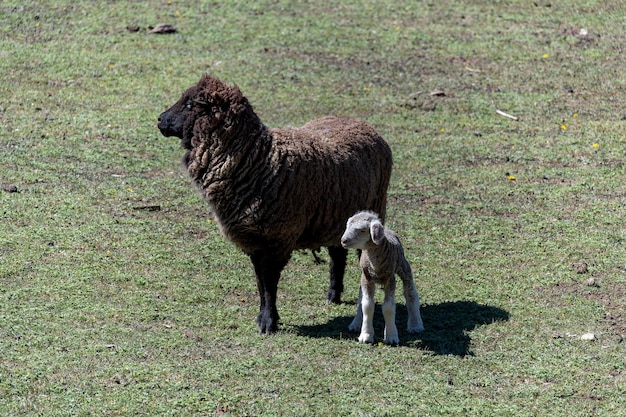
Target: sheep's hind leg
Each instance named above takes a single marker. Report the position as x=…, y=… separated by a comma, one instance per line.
x=267, y=267
x=355, y=326
x=338, y=256
x=389, y=312
x=414, y=323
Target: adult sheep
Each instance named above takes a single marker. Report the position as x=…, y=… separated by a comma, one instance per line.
x=273, y=191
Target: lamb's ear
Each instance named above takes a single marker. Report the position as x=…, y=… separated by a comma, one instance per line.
x=377, y=231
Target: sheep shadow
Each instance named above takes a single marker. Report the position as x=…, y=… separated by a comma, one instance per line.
x=447, y=325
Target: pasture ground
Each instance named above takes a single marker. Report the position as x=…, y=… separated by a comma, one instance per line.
x=118, y=297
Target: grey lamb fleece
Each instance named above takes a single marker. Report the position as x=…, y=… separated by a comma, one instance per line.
x=381, y=259
x=273, y=191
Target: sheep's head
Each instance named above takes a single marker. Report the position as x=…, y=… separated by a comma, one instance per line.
x=363, y=229
x=210, y=100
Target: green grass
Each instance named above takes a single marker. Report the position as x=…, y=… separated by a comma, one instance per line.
x=109, y=308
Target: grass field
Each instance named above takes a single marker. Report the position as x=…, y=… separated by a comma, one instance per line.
x=119, y=297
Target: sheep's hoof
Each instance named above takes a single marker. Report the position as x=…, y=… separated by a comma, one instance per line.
x=267, y=323
x=334, y=296
x=267, y=328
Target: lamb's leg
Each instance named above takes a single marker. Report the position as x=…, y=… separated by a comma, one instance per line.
x=389, y=312
x=367, y=305
x=355, y=326
x=338, y=256
x=267, y=267
x=414, y=323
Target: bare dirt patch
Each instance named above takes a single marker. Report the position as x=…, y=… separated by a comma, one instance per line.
x=612, y=296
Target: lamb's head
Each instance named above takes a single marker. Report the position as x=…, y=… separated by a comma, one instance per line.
x=210, y=100
x=363, y=229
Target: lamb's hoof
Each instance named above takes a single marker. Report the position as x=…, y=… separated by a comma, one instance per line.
x=415, y=329
x=354, y=327
x=392, y=341
x=366, y=338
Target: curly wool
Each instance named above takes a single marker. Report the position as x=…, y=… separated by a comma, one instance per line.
x=287, y=185
x=273, y=191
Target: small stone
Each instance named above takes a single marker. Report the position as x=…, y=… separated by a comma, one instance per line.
x=10, y=188
x=580, y=267
x=591, y=282
x=588, y=336
x=163, y=28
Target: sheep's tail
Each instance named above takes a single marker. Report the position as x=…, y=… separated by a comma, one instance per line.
x=317, y=259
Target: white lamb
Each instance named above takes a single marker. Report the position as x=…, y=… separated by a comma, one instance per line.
x=382, y=258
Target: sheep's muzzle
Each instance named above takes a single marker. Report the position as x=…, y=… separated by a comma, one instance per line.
x=170, y=126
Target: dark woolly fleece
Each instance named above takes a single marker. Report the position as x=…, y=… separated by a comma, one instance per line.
x=276, y=190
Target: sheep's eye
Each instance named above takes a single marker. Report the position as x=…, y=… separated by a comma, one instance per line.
x=189, y=104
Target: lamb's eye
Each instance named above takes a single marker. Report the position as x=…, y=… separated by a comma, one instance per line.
x=189, y=104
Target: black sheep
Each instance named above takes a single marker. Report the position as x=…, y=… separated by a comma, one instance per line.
x=273, y=191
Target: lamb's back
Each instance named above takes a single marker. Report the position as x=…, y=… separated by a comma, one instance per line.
x=384, y=260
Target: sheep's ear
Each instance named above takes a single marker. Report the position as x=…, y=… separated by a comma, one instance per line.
x=377, y=231
x=201, y=101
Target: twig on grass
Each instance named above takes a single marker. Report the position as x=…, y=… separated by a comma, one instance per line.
x=472, y=69
x=148, y=208
x=510, y=116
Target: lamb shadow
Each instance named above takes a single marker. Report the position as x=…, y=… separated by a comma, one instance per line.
x=447, y=325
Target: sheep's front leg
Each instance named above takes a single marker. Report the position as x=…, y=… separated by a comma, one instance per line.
x=267, y=267
x=338, y=256
x=389, y=312
x=367, y=306
x=414, y=323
